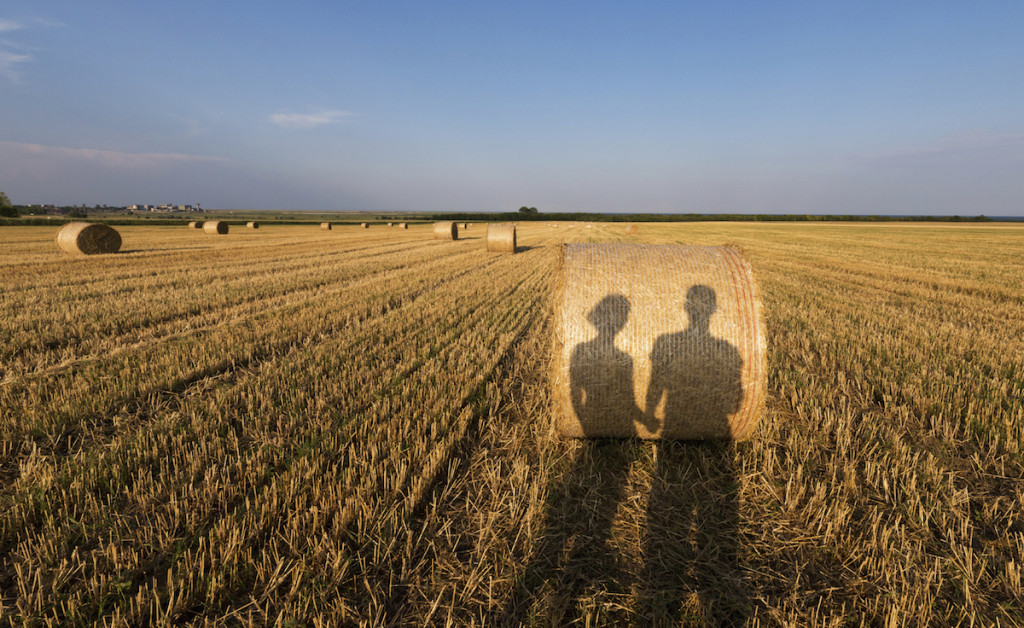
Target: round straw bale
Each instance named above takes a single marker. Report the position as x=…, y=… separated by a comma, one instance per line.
x=403, y=225
x=195, y=224
x=391, y=224
x=446, y=231
x=501, y=237
x=657, y=341
x=364, y=225
x=631, y=229
x=88, y=238
x=252, y=225
x=215, y=227
x=326, y=226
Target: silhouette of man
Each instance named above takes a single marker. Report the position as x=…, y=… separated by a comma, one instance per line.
x=695, y=374
x=601, y=376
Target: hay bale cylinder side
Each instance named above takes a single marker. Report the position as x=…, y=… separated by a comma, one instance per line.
x=446, y=230
x=657, y=341
x=87, y=238
x=501, y=237
x=252, y=225
x=215, y=227
x=195, y=224
x=325, y=226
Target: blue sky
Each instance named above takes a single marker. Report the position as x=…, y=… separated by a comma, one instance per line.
x=749, y=107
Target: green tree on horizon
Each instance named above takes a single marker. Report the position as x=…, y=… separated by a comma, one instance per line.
x=6, y=209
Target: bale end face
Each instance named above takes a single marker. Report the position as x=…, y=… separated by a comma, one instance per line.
x=446, y=231
x=657, y=341
x=501, y=238
x=86, y=238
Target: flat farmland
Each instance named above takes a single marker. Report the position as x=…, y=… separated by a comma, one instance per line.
x=291, y=426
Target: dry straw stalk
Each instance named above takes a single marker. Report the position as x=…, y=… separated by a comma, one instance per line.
x=446, y=230
x=657, y=341
x=215, y=227
x=88, y=238
x=501, y=237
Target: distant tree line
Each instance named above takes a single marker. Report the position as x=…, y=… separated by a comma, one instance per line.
x=531, y=213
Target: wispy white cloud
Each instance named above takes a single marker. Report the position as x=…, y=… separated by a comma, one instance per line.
x=9, y=25
x=308, y=120
x=9, y=62
x=109, y=158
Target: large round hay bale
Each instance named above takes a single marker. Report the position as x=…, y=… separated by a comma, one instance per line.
x=632, y=229
x=657, y=341
x=252, y=225
x=195, y=224
x=403, y=225
x=446, y=230
x=501, y=237
x=215, y=227
x=88, y=238
x=326, y=226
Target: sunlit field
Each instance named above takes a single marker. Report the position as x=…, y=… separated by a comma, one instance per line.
x=291, y=426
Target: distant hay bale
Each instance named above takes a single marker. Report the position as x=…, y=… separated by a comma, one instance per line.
x=252, y=225
x=326, y=226
x=364, y=225
x=632, y=229
x=501, y=237
x=391, y=224
x=88, y=238
x=195, y=224
x=403, y=225
x=446, y=230
x=215, y=227
x=657, y=341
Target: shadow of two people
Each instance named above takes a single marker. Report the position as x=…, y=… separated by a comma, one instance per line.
x=689, y=570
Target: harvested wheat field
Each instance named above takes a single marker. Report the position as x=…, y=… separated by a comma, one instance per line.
x=357, y=428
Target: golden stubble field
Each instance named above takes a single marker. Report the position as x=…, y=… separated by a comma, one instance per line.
x=292, y=426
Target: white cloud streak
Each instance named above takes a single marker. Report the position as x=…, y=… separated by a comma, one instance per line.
x=9, y=25
x=107, y=158
x=308, y=120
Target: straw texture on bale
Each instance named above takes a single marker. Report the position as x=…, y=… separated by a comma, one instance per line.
x=631, y=229
x=657, y=341
x=446, y=231
x=215, y=227
x=326, y=226
x=88, y=238
x=501, y=238
x=195, y=225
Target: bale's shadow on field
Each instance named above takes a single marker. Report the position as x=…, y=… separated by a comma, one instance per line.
x=585, y=565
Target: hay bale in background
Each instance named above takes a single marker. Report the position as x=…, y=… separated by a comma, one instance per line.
x=326, y=226
x=252, y=225
x=364, y=225
x=446, y=230
x=501, y=237
x=632, y=229
x=403, y=225
x=391, y=224
x=215, y=227
x=88, y=238
x=657, y=341
x=195, y=224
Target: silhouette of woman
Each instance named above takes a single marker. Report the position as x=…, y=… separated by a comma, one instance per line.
x=601, y=376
